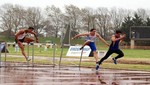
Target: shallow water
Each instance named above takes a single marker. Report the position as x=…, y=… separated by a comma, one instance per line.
x=49, y=75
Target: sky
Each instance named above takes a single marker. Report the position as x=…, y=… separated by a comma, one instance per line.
x=125, y=4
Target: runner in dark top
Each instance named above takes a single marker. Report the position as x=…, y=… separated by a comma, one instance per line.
x=114, y=48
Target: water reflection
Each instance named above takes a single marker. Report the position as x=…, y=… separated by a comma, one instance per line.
x=71, y=76
x=99, y=78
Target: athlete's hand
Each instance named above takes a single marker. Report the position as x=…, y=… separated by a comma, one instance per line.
x=123, y=36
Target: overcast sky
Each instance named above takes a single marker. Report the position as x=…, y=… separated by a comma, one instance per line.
x=126, y=4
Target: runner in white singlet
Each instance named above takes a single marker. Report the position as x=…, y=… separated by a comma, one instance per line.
x=20, y=37
x=90, y=41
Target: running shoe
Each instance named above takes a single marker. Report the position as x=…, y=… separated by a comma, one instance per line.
x=28, y=59
x=81, y=48
x=115, y=61
x=97, y=67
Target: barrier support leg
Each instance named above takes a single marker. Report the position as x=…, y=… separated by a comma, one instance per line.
x=5, y=50
x=61, y=55
x=54, y=50
x=32, y=53
x=0, y=55
x=81, y=58
x=27, y=53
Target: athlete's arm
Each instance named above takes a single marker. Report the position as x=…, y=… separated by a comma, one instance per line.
x=115, y=39
x=76, y=36
x=34, y=35
x=100, y=38
x=123, y=36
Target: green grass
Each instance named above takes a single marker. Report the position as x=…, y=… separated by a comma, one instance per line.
x=130, y=55
x=136, y=53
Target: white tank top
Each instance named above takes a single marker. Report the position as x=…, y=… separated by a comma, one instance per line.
x=22, y=35
x=91, y=38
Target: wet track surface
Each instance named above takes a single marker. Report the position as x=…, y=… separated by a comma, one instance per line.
x=49, y=75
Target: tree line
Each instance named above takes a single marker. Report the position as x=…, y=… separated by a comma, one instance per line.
x=53, y=21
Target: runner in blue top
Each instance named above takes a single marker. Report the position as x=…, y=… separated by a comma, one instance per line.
x=114, y=48
x=90, y=41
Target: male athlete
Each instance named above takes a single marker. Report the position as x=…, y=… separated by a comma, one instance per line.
x=21, y=37
x=91, y=41
x=114, y=48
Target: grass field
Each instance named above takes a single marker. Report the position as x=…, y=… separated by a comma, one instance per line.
x=134, y=59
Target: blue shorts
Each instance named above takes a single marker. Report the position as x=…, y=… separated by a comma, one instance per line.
x=92, y=46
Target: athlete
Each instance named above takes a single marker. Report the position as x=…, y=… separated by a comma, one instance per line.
x=21, y=36
x=91, y=36
x=114, y=48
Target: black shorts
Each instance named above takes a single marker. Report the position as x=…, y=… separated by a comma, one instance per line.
x=21, y=40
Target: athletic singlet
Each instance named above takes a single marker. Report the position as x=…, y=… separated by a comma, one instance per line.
x=114, y=45
x=22, y=35
x=91, y=38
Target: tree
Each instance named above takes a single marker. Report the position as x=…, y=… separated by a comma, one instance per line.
x=73, y=17
x=11, y=18
x=142, y=13
x=55, y=16
x=34, y=18
x=88, y=18
x=117, y=17
x=126, y=27
x=147, y=22
x=17, y=19
x=137, y=20
x=6, y=18
x=103, y=21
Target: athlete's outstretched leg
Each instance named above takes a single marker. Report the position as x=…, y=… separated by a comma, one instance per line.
x=22, y=49
x=85, y=43
x=109, y=52
x=28, y=40
x=120, y=54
